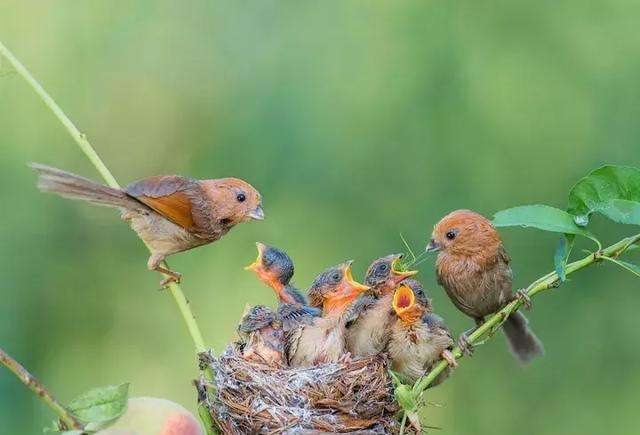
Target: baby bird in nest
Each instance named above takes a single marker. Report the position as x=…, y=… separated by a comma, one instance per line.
x=473, y=267
x=275, y=268
x=372, y=315
x=262, y=336
x=418, y=338
x=170, y=213
x=324, y=341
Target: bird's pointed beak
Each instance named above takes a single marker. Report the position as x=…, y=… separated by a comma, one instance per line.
x=433, y=246
x=257, y=213
x=258, y=262
x=353, y=287
x=400, y=275
x=403, y=300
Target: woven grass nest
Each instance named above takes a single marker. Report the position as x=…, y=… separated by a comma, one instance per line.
x=349, y=397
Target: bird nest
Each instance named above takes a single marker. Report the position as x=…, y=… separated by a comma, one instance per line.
x=350, y=397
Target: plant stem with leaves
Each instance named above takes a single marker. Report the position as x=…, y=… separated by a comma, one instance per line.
x=94, y=158
x=546, y=282
x=66, y=417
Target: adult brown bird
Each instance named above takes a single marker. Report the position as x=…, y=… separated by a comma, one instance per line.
x=170, y=213
x=473, y=268
x=372, y=314
x=262, y=336
x=418, y=338
x=333, y=290
x=275, y=268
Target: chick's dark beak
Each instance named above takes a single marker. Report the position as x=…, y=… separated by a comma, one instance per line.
x=257, y=213
x=433, y=246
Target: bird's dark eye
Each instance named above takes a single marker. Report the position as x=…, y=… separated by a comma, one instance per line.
x=267, y=261
x=383, y=267
x=451, y=235
x=335, y=277
x=241, y=197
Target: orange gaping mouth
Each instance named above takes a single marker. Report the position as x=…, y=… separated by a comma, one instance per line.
x=403, y=299
x=395, y=269
x=353, y=285
x=258, y=262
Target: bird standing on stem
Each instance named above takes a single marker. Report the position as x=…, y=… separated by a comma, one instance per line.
x=170, y=213
x=275, y=268
x=372, y=314
x=473, y=268
x=263, y=337
x=418, y=338
x=322, y=342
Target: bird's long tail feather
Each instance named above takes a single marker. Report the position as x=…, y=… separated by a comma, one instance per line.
x=522, y=341
x=74, y=186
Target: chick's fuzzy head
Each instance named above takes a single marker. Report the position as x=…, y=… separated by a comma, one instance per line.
x=384, y=275
x=334, y=288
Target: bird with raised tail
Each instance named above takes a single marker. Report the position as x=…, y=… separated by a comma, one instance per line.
x=418, y=338
x=372, y=315
x=334, y=290
x=170, y=213
x=473, y=267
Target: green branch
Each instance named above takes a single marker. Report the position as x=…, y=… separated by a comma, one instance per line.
x=88, y=150
x=67, y=418
x=546, y=282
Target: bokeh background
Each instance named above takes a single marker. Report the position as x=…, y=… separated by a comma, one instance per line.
x=358, y=121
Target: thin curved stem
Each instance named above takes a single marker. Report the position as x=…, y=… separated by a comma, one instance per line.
x=67, y=418
x=94, y=158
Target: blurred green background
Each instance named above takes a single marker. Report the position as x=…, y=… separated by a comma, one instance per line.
x=357, y=121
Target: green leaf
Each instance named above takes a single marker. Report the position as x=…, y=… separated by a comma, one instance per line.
x=599, y=188
x=562, y=255
x=101, y=406
x=539, y=216
x=621, y=210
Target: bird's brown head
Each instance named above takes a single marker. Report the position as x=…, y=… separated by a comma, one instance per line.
x=334, y=289
x=465, y=233
x=383, y=275
x=406, y=305
x=235, y=200
x=274, y=268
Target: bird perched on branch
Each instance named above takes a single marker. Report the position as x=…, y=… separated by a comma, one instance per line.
x=275, y=268
x=263, y=337
x=333, y=290
x=372, y=314
x=170, y=213
x=418, y=338
x=473, y=268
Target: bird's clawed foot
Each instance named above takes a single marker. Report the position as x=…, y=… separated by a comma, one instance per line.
x=172, y=276
x=464, y=345
x=449, y=358
x=523, y=297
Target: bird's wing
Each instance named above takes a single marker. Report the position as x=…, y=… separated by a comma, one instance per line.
x=293, y=315
x=291, y=341
x=178, y=199
x=437, y=326
x=362, y=304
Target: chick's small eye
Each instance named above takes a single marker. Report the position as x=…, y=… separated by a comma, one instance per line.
x=451, y=235
x=383, y=267
x=267, y=261
x=335, y=277
x=241, y=197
